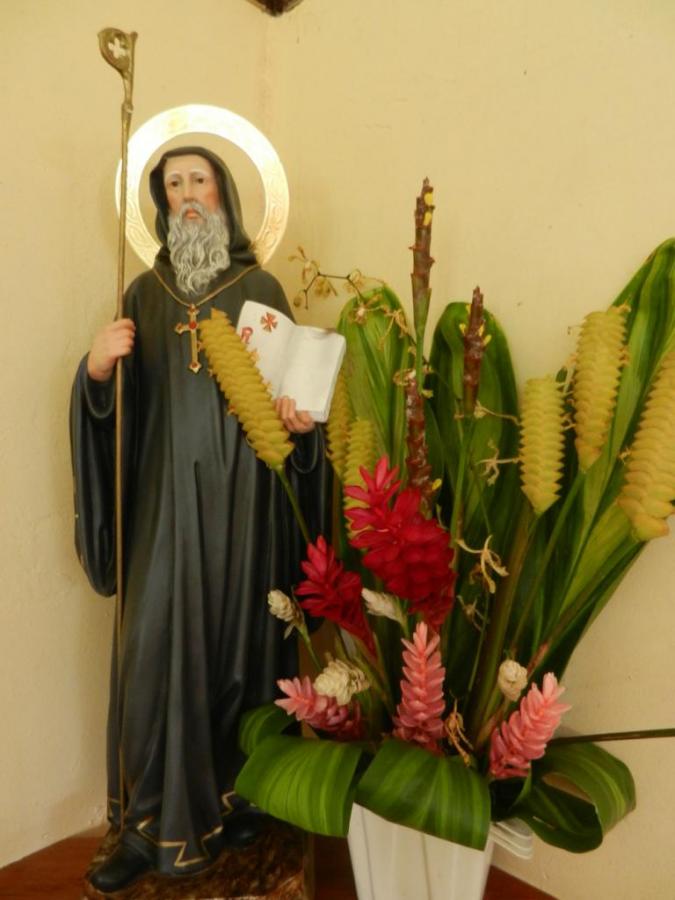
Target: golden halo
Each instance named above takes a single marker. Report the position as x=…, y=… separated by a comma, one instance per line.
x=198, y=117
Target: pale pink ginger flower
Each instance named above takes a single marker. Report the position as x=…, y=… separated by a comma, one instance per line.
x=419, y=714
x=318, y=711
x=529, y=729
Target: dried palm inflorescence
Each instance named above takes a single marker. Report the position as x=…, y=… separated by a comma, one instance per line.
x=242, y=384
x=600, y=356
x=541, y=442
x=649, y=486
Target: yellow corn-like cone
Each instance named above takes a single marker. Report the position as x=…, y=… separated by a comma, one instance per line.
x=242, y=384
x=541, y=442
x=649, y=485
x=337, y=427
x=600, y=356
x=361, y=452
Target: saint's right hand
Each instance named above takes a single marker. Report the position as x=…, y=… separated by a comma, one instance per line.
x=111, y=342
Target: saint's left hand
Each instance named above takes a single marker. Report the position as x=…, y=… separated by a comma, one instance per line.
x=295, y=421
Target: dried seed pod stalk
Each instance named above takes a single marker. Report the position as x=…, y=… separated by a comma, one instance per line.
x=541, y=442
x=600, y=356
x=337, y=427
x=417, y=461
x=474, y=348
x=361, y=453
x=243, y=386
x=649, y=486
x=422, y=263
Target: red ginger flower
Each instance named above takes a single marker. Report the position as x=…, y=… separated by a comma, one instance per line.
x=411, y=554
x=528, y=730
x=333, y=593
x=380, y=486
x=419, y=714
x=320, y=712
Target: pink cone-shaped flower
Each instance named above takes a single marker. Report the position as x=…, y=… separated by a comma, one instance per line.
x=419, y=714
x=320, y=712
x=529, y=729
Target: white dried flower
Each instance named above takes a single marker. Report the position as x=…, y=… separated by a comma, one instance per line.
x=381, y=604
x=286, y=609
x=512, y=679
x=341, y=680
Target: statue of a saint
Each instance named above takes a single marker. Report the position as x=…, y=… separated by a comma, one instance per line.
x=207, y=532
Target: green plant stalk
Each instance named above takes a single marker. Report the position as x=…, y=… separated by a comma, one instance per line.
x=304, y=634
x=482, y=697
x=294, y=504
x=378, y=681
x=614, y=736
x=477, y=656
x=548, y=552
x=577, y=608
x=455, y=518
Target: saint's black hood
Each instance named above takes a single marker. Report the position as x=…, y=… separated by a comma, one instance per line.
x=240, y=244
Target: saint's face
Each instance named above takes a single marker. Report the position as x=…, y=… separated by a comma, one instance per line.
x=190, y=178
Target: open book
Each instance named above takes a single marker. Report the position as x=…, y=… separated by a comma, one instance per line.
x=296, y=361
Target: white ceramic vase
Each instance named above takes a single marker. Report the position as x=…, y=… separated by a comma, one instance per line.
x=391, y=862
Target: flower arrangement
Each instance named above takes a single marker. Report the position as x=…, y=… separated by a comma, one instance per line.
x=475, y=539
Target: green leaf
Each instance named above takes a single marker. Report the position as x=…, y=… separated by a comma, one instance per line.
x=561, y=819
x=260, y=723
x=435, y=794
x=486, y=508
x=566, y=820
x=602, y=777
x=378, y=349
x=309, y=783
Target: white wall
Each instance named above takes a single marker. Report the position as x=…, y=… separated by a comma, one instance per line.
x=547, y=131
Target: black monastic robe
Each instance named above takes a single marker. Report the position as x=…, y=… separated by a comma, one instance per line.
x=208, y=532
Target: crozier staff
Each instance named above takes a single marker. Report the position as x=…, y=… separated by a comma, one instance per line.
x=208, y=532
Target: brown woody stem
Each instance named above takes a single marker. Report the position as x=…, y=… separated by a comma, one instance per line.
x=474, y=347
x=422, y=263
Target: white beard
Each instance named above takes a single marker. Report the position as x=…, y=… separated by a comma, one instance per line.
x=198, y=248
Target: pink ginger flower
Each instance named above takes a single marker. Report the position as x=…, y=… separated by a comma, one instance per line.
x=529, y=729
x=418, y=715
x=320, y=712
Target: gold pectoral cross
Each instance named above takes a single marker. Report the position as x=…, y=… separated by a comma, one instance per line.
x=195, y=343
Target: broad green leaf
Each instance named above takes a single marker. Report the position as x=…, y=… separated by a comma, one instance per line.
x=566, y=820
x=560, y=819
x=378, y=350
x=458, y=448
x=435, y=794
x=260, y=723
x=309, y=783
x=605, y=780
x=487, y=509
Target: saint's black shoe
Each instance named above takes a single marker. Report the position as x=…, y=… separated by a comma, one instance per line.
x=121, y=868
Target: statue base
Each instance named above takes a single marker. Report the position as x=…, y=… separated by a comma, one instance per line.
x=278, y=865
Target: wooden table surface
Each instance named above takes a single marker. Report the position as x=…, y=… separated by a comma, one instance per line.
x=56, y=872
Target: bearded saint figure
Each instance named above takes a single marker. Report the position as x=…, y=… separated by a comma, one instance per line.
x=207, y=533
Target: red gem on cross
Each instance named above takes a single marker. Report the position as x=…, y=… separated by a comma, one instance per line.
x=192, y=326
